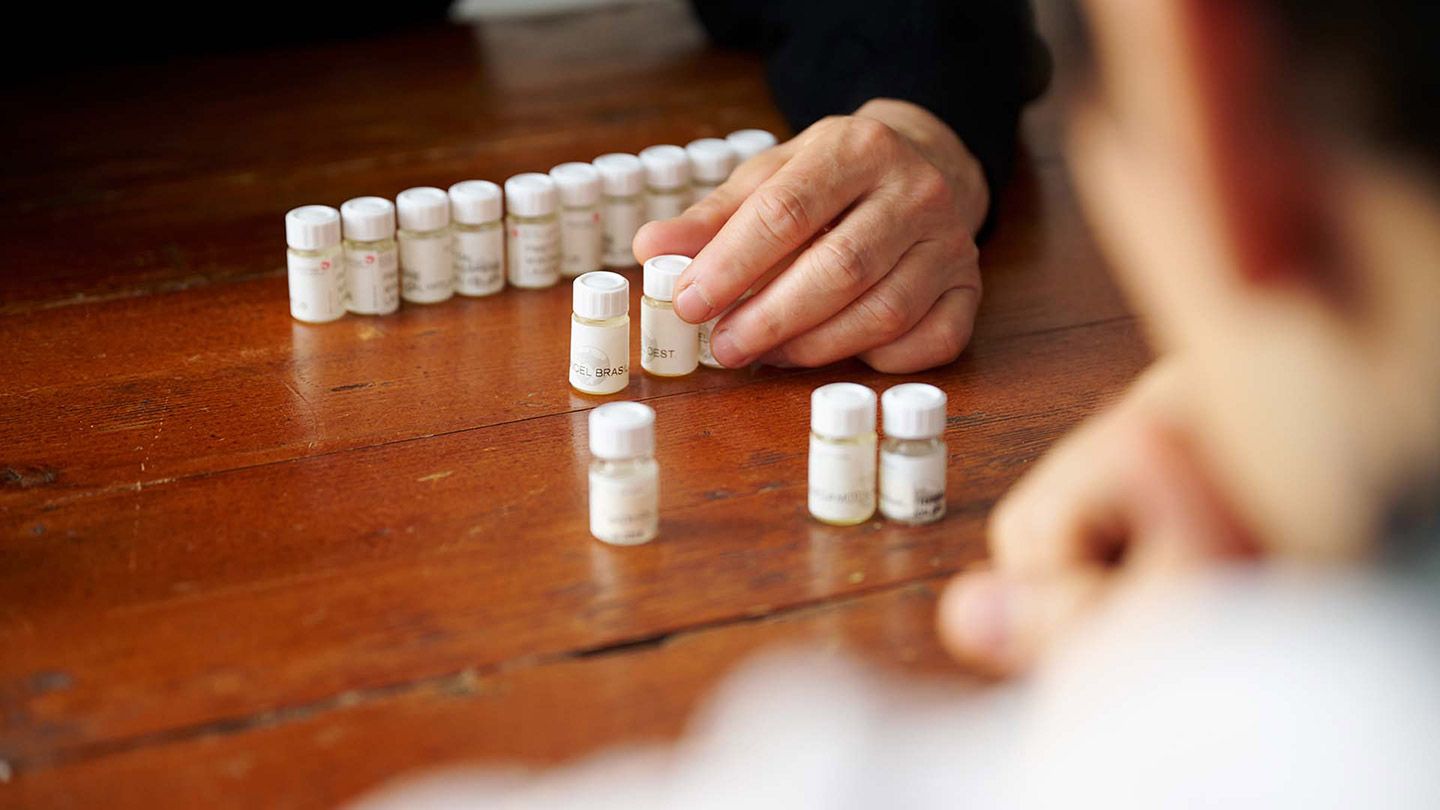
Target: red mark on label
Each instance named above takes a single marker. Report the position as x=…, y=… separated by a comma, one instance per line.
x=370, y=258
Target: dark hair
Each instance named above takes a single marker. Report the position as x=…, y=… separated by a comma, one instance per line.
x=1364, y=70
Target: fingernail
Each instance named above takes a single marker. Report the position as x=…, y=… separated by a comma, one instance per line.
x=722, y=345
x=692, y=306
x=978, y=613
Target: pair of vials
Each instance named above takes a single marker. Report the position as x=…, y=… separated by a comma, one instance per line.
x=842, y=465
x=600, y=328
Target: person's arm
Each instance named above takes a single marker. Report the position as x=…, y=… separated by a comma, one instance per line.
x=858, y=235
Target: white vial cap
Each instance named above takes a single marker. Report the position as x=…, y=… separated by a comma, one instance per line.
x=842, y=410
x=748, y=143
x=666, y=166
x=711, y=159
x=423, y=209
x=913, y=411
x=312, y=227
x=622, y=430
x=531, y=194
x=661, y=273
x=475, y=202
x=601, y=294
x=621, y=175
x=368, y=219
x=579, y=184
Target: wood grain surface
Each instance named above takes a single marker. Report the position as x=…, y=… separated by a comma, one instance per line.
x=246, y=561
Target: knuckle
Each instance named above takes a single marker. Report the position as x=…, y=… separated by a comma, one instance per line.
x=886, y=314
x=782, y=216
x=841, y=264
x=932, y=188
x=869, y=135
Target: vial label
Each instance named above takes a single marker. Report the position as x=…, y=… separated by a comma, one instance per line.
x=317, y=287
x=623, y=217
x=706, y=358
x=534, y=252
x=599, y=357
x=373, y=281
x=666, y=204
x=842, y=480
x=669, y=346
x=581, y=241
x=912, y=488
x=479, y=261
x=426, y=268
x=624, y=510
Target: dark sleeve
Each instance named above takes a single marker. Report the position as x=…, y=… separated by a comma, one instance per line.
x=974, y=63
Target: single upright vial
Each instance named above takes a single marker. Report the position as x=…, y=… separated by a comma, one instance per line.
x=748, y=143
x=669, y=347
x=533, y=223
x=581, y=237
x=372, y=266
x=479, y=238
x=427, y=268
x=667, y=181
x=912, y=457
x=842, y=454
x=624, y=478
x=622, y=179
x=600, y=333
x=711, y=161
x=315, y=263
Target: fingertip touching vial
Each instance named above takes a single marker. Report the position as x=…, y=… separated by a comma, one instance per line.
x=600, y=333
x=913, y=457
x=479, y=237
x=842, y=454
x=427, y=266
x=667, y=181
x=581, y=239
x=372, y=264
x=711, y=161
x=624, y=478
x=315, y=264
x=533, y=229
x=622, y=180
x=748, y=143
x=669, y=346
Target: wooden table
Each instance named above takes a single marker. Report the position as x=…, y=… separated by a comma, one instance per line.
x=250, y=562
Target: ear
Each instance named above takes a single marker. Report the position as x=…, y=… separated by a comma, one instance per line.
x=1262, y=166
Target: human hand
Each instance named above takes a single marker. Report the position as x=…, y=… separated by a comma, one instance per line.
x=1120, y=502
x=859, y=235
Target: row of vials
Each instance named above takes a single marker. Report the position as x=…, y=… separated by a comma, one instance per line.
x=625, y=478
x=475, y=238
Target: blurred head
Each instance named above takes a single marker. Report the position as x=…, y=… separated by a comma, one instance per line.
x=1263, y=177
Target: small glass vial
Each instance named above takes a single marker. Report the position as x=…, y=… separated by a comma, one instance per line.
x=667, y=181
x=624, y=478
x=842, y=454
x=427, y=267
x=372, y=265
x=669, y=347
x=622, y=179
x=532, y=223
x=600, y=333
x=913, y=457
x=479, y=238
x=581, y=237
x=315, y=264
x=748, y=143
x=711, y=161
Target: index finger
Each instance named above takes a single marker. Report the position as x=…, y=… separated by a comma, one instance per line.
x=785, y=212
